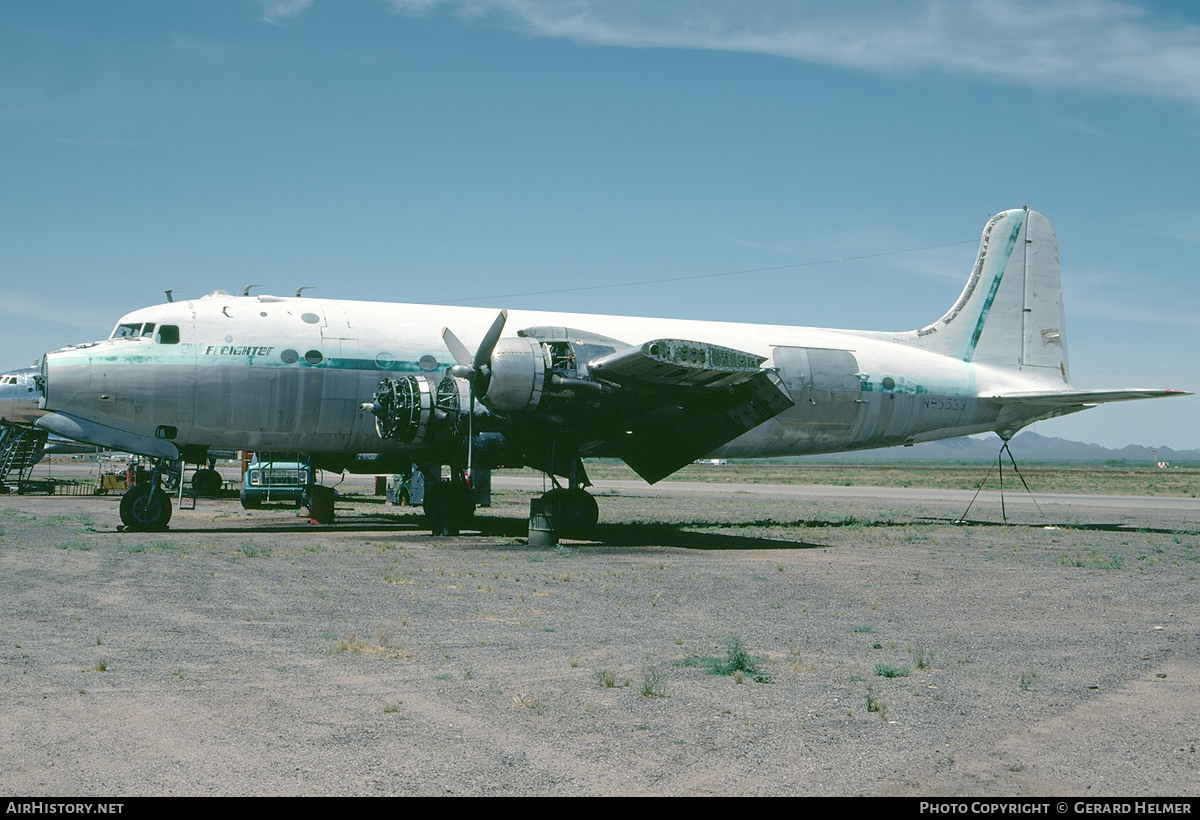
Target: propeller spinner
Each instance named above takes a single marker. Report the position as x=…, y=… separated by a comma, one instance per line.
x=475, y=369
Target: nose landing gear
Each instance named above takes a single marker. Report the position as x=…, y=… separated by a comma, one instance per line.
x=145, y=507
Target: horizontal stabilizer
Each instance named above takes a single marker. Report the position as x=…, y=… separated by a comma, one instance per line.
x=1084, y=398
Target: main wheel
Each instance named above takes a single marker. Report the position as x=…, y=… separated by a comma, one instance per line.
x=574, y=511
x=145, y=508
x=206, y=482
x=448, y=506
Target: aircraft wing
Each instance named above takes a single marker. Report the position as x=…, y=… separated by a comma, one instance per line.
x=1084, y=398
x=673, y=364
x=693, y=397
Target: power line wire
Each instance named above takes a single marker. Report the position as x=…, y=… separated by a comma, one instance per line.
x=693, y=277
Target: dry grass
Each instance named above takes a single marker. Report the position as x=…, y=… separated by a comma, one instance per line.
x=1118, y=479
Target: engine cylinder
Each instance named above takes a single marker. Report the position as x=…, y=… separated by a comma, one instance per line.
x=404, y=408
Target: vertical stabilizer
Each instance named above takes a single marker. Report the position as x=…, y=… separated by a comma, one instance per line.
x=1010, y=313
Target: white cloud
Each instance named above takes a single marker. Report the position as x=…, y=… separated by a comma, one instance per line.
x=1102, y=45
x=415, y=6
x=280, y=11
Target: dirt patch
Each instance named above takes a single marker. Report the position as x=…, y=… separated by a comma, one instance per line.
x=886, y=651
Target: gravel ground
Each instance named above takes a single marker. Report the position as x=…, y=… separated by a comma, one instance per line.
x=885, y=651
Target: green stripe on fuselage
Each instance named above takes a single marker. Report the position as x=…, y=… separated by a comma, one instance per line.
x=167, y=356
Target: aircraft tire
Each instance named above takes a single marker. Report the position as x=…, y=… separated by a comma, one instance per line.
x=145, y=509
x=574, y=511
x=206, y=482
x=448, y=506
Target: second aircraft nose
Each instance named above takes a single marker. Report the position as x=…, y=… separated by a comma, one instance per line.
x=20, y=392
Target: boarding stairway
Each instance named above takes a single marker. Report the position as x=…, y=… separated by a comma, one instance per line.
x=21, y=447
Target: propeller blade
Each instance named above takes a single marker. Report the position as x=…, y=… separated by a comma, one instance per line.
x=457, y=349
x=475, y=369
x=484, y=354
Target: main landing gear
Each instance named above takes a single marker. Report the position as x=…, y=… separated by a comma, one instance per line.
x=569, y=512
x=449, y=505
x=572, y=512
x=207, y=482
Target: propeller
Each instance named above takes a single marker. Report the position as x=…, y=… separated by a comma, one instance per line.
x=475, y=369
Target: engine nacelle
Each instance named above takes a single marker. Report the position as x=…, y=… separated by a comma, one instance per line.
x=518, y=376
x=543, y=369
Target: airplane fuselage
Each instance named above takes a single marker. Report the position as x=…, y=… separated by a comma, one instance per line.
x=270, y=373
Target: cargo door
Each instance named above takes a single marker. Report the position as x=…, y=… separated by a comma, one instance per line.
x=827, y=389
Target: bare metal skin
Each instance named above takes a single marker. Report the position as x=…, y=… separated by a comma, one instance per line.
x=373, y=385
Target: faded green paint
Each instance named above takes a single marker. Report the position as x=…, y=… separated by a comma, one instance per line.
x=188, y=359
x=991, y=296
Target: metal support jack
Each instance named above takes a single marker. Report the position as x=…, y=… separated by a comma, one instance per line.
x=1000, y=467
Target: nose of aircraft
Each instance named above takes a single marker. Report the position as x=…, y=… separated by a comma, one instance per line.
x=20, y=391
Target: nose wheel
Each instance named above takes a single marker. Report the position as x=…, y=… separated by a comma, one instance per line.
x=145, y=508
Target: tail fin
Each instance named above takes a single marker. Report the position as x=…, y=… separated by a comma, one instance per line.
x=1011, y=311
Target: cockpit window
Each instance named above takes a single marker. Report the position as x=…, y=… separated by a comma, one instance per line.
x=167, y=334
x=127, y=331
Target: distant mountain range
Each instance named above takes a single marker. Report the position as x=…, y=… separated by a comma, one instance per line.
x=1025, y=447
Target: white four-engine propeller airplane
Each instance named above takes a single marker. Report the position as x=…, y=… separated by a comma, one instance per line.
x=376, y=386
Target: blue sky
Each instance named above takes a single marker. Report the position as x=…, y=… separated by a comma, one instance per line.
x=511, y=152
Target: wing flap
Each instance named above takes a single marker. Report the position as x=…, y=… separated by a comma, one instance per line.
x=693, y=397
x=658, y=443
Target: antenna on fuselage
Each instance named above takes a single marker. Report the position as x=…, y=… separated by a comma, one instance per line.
x=246, y=290
x=303, y=288
x=170, y=298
